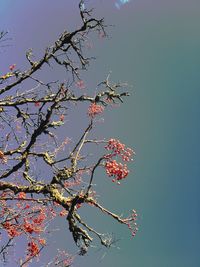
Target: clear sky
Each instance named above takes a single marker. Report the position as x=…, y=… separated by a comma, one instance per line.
x=154, y=46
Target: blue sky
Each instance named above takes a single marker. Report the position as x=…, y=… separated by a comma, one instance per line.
x=154, y=46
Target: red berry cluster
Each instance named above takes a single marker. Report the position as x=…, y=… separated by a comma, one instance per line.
x=37, y=104
x=33, y=249
x=114, y=169
x=80, y=84
x=120, y=149
x=11, y=229
x=27, y=218
x=62, y=259
x=131, y=222
x=118, y=170
x=32, y=223
x=95, y=109
x=12, y=67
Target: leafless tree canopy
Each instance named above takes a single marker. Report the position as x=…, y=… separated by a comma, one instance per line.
x=37, y=180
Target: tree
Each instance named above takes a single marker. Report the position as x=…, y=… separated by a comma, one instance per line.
x=41, y=176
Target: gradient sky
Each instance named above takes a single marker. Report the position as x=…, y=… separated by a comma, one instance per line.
x=154, y=46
